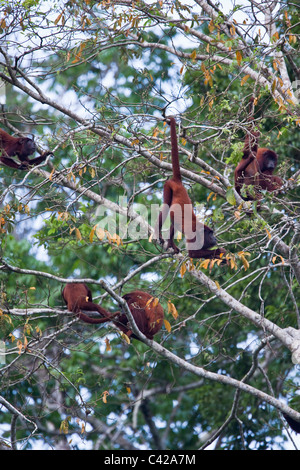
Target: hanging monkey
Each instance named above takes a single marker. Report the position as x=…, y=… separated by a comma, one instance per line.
x=199, y=237
x=147, y=313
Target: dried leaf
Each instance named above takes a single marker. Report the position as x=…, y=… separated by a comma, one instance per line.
x=182, y=269
x=78, y=234
x=193, y=55
x=204, y=264
x=107, y=345
x=244, y=79
x=126, y=338
x=104, y=396
x=91, y=237
x=167, y=325
x=51, y=174
x=100, y=233
x=172, y=309
x=58, y=18
x=268, y=233
x=239, y=57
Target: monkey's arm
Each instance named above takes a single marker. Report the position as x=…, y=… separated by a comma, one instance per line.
x=91, y=307
x=239, y=176
x=11, y=163
x=34, y=161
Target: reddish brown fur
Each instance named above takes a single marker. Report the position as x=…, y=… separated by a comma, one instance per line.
x=148, y=316
x=79, y=297
x=184, y=218
x=21, y=147
x=256, y=168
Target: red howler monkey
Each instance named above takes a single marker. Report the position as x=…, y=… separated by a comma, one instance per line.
x=148, y=315
x=256, y=167
x=199, y=237
x=22, y=147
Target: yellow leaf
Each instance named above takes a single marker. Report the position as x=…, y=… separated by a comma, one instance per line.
x=182, y=269
x=155, y=132
x=268, y=233
x=38, y=330
x=58, y=18
x=78, y=234
x=190, y=264
x=239, y=57
x=51, y=174
x=100, y=233
x=204, y=264
x=218, y=285
x=179, y=236
x=19, y=346
x=92, y=234
x=128, y=389
x=124, y=336
x=193, y=54
x=64, y=426
x=104, y=396
x=211, y=26
x=245, y=263
x=12, y=337
x=92, y=172
x=149, y=301
x=244, y=79
x=172, y=309
x=233, y=264
x=167, y=325
x=107, y=345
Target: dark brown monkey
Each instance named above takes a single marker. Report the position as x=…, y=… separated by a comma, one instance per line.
x=256, y=167
x=21, y=147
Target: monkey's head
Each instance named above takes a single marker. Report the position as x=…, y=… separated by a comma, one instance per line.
x=267, y=159
x=209, y=238
x=25, y=147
